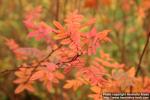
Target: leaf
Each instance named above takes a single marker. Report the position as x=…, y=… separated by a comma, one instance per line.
x=18, y=81
x=23, y=87
x=42, y=31
x=96, y=89
x=65, y=41
x=20, y=88
x=69, y=84
x=104, y=34
x=73, y=22
x=90, y=22
x=94, y=38
x=19, y=74
x=75, y=84
x=60, y=36
x=106, y=61
x=131, y=72
x=92, y=33
x=58, y=25
x=29, y=52
x=11, y=44
x=48, y=86
x=30, y=88
x=50, y=66
x=33, y=14
x=73, y=19
x=37, y=75
x=59, y=75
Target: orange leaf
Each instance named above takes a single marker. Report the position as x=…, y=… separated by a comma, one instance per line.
x=37, y=75
x=69, y=84
x=20, y=88
x=77, y=84
x=60, y=36
x=90, y=22
x=48, y=86
x=73, y=84
x=30, y=88
x=66, y=41
x=59, y=75
x=20, y=80
x=131, y=72
x=96, y=89
x=58, y=25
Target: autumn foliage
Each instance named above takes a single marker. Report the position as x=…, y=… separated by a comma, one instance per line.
x=71, y=47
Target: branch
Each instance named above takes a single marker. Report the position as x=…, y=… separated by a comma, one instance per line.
x=71, y=60
x=141, y=57
x=8, y=71
x=39, y=63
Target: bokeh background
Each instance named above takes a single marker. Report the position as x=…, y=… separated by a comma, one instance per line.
x=129, y=21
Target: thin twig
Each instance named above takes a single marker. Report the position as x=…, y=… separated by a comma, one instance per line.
x=69, y=61
x=141, y=57
x=39, y=63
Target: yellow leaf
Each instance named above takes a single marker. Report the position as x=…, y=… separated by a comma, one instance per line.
x=60, y=36
x=96, y=89
x=69, y=84
x=75, y=84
